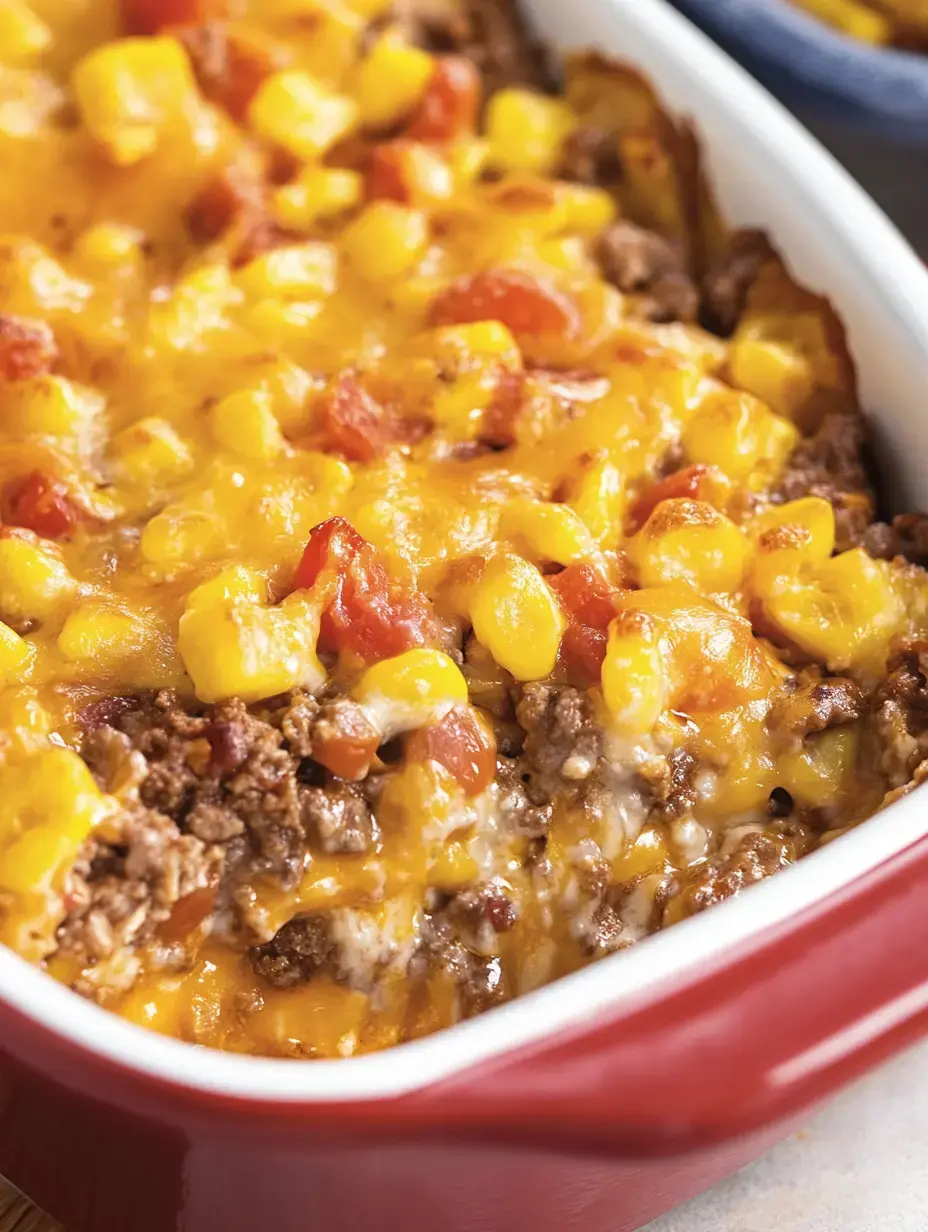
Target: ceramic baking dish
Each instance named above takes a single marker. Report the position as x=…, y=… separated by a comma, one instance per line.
x=604, y=1099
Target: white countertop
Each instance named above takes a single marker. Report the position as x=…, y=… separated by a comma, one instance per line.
x=860, y=1166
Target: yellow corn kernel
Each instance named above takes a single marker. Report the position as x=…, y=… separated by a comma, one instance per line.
x=516, y=616
x=820, y=773
x=775, y=372
x=386, y=240
x=481, y=343
x=289, y=387
x=230, y=586
x=49, y=804
x=197, y=305
x=634, y=679
x=108, y=245
x=130, y=91
x=725, y=432
x=182, y=535
x=293, y=110
x=150, y=451
x=51, y=405
x=16, y=656
x=585, y=209
x=245, y=424
x=34, y=581
x=842, y=611
x=23, y=35
x=527, y=130
x=599, y=500
x=778, y=438
x=295, y=271
x=33, y=283
x=467, y=158
x=411, y=690
x=690, y=541
x=391, y=80
x=807, y=524
x=24, y=718
x=318, y=192
x=550, y=531
x=426, y=175
x=241, y=649
x=280, y=323
x=101, y=635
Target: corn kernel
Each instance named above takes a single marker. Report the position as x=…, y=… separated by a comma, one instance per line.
x=16, y=656
x=724, y=432
x=411, y=690
x=32, y=282
x=230, y=586
x=294, y=111
x=516, y=616
x=241, y=649
x=244, y=424
x=585, y=209
x=23, y=35
x=150, y=451
x=108, y=245
x=551, y=532
x=391, y=80
x=130, y=91
x=842, y=611
x=318, y=192
x=807, y=524
x=819, y=773
x=180, y=536
x=690, y=541
x=34, y=581
x=599, y=500
x=24, y=717
x=778, y=374
x=101, y=635
x=51, y=405
x=527, y=130
x=29, y=102
x=634, y=683
x=295, y=271
x=289, y=387
x=197, y=305
x=386, y=240
x=281, y=323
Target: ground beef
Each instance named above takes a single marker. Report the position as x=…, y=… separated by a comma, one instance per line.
x=727, y=282
x=591, y=156
x=813, y=704
x=832, y=464
x=905, y=536
x=481, y=912
x=518, y=814
x=563, y=743
x=120, y=890
x=643, y=263
x=756, y=855
x=900, y=707
x=488, y=32
x=478, y=978
x=339, y=819
x=677, y=793
x=296, y=953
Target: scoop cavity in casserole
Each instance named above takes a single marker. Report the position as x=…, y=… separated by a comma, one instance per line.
x=435, y=552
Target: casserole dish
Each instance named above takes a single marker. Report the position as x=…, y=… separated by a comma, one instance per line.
x=604, y=1099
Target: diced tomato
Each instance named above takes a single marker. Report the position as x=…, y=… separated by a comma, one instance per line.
x=451, y=101
x=27, y=347
x=591, y=602
x=462, y=745
x=345, y=741
x=230, y=61
x=42, y=503
x=519, y=301
x=699, y=482
x=150, y=16
x=386, y=173
x=187, y=914
x=366, y=612
x=231, y=196
x=355, y=424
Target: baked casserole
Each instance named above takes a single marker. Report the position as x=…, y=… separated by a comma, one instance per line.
x=435, y=552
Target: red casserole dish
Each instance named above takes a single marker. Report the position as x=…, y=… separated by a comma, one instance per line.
x=603, y=1100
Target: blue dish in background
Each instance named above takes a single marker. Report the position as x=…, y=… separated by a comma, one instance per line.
x=819, y=73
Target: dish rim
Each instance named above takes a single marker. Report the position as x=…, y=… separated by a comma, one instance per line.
x=585, y=996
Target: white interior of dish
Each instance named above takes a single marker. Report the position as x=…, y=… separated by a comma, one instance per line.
x=768, y=172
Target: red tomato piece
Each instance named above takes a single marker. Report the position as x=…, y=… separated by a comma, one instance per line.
x=42, y=503
x=462, y=745
x=386, y=178
x=150, y=16
x=591, y=602
x=345, y=741
x=230, y=61
x=451, y=102
x=27, y=347
x=188, y=913
x=354, y=423
x=366, y=612
x=699, y=482
x=519, y=301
